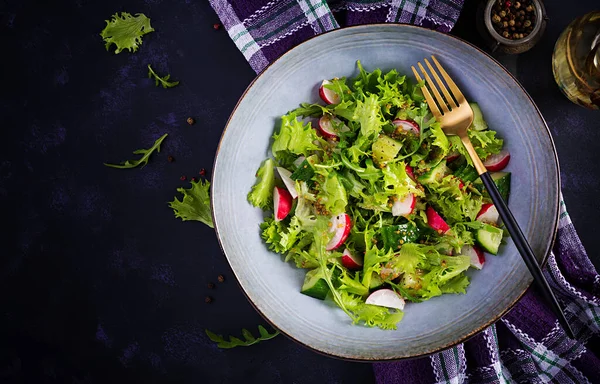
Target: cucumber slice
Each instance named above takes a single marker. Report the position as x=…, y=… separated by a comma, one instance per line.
x=466, y=173
x=385, y=149
x=479, y=123
x=434, y=174
x=489, y=238
x=315, y=284
x=376, y=281
x=395, y=235
x=305, y=172
x=502, y=181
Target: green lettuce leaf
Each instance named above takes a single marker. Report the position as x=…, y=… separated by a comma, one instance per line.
x=195, y=204
x=126, y=31
x=485, y=143
x=332, y=194
x=370, y=315
x=261, y=194
x=453, y=203
x=294, y=137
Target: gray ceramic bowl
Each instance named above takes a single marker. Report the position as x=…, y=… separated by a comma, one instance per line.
x=273, y=286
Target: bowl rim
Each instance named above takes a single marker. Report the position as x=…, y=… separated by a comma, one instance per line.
x=475, y=331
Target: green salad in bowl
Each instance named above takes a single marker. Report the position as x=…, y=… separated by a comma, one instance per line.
x=370, y=196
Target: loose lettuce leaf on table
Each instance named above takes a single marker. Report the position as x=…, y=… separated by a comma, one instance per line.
x=195, y=204
x=125, y=31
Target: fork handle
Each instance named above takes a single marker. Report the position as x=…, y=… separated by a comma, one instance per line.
x=525, y=250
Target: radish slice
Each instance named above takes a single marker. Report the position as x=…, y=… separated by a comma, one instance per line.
x=436, y=222
x=404, y=206
x=340, y=226
x=330, y=126
x=409, y=172
x=282, y=203
x=452, y=156
x=386, y=298
x=461, y=185
x=287, y=180
x=488, y=214
x=328, y=95
x=407, y=125
x=497, y=162
x=350, y=261
x=476, y=255
x=299, y=161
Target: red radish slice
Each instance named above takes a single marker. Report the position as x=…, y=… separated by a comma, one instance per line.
x=287, y=180
x=282, y=203
x=386, y=298
x=350, y=261
x=488, y=214
x=330, y=126
x=497, y=162
x=476, y=255
x=340, y=226
x=404, y=206
x=407, y=125
x=435, y=221
x=409, y=172
x=328, y=95
x=461, y=185
x=452, y=156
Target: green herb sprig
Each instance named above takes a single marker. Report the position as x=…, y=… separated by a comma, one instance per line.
x=144, y=159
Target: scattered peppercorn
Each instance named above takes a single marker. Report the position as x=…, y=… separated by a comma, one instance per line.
x=170, y=159
x=190, y=120
x=208, y=299
x=221, y=278
x=194, y=179
x=216, y=26
x=513, y=20
x=202, y=172
x=183, y=178
x=211, y=285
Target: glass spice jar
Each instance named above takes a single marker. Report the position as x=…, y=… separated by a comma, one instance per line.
x=514, y=26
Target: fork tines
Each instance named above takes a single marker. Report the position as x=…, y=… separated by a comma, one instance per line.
x=439, y=105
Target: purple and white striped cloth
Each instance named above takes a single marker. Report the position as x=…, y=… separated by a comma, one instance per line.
x=264, y=30
x=525, y=346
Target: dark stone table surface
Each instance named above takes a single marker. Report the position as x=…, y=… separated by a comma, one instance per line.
x=99, y=282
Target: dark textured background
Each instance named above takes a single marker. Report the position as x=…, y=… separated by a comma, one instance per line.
x=99, y=281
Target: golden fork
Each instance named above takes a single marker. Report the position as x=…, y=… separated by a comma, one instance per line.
x=455, y=115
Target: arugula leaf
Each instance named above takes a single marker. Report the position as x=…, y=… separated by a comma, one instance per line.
x=144, y=159
x=161, y=80
x=249, y=339
x=261, y=194
x=195, y=204
x=126, y=31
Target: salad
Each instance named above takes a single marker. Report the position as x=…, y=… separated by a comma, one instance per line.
x=370, y=196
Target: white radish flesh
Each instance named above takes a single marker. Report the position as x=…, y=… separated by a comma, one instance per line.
x=328, y=95
x=404, y=206
x=287, y=180
x=386, y=298
x=340, y=226
x=350, y=261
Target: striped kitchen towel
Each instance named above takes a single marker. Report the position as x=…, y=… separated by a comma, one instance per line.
x=264, y=30
x=527, y=345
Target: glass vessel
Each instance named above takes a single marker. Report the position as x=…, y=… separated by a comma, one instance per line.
x=576, y=61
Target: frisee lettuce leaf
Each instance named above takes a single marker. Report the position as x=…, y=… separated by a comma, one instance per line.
x=145, y=155
x=249, y=338
x=294, y=137
x=125, y=31
x=261, y=194
x=195, y=204
x=164, y=81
